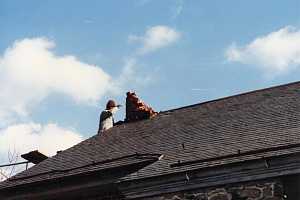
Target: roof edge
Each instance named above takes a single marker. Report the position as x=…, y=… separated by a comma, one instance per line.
x=232, y=96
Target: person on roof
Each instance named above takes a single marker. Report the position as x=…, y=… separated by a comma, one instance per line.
x=106, y=116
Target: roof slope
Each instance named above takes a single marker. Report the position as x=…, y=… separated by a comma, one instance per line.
x=233, y=129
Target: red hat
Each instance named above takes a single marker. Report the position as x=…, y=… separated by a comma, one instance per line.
x=110, y=104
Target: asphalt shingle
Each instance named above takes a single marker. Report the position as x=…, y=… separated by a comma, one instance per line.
x=258, y=120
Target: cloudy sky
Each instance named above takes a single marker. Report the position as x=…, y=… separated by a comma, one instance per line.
x=61, y=60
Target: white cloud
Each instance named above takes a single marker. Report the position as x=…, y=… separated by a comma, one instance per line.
x=177, y=8
x=155, y=37
x=30, y=71
x=47, y=139
x=131, y=77
x=129, y=74
x=18, y=139
x=277, y=52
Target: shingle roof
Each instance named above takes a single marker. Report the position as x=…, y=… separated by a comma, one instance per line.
x=262, y=123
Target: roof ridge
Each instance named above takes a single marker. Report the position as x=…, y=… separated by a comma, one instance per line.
x=231, y=96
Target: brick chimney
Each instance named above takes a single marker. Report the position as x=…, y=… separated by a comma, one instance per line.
x=136, y=109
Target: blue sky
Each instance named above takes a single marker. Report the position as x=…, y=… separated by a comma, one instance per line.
x=75, y=55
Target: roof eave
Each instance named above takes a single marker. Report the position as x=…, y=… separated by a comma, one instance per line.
x=72, y=185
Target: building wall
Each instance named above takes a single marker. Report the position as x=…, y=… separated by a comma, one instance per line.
x=271, y=190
